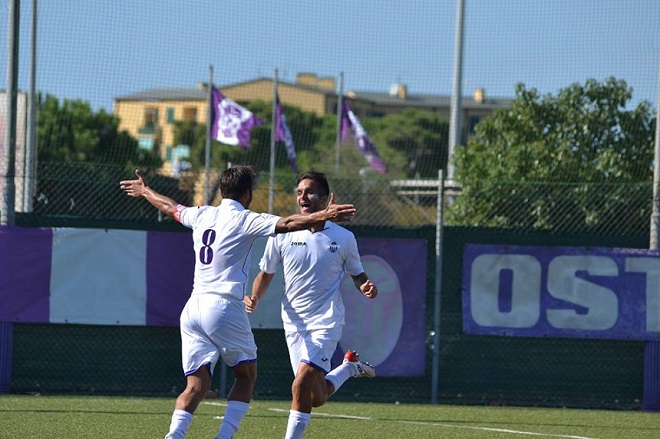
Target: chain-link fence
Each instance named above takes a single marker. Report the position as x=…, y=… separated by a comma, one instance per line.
x=71, y=193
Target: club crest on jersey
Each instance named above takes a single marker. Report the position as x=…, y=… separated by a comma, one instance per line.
x=334, y=247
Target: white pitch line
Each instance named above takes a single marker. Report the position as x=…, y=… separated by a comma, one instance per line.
x=330, y=415
x=501, y=430
x=465, y=427
x=221, y=404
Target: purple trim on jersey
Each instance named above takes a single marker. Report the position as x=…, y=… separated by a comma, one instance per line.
x=315, y=366
x=170, y=265
x=25, y=267
x=208, y=365
x=253, y=360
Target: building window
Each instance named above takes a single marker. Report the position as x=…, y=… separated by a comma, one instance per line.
x=376, y=113
x=146, y=143
x=472, y=123
x=181, y=152
x=180, y=156
x=150, y=119
x=190, y=114
x=170, y=115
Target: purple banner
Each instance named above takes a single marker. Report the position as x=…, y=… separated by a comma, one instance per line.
x=170, y=269
x=25, y=264
x=390, y=331
x=604, y=293
x=49, y=275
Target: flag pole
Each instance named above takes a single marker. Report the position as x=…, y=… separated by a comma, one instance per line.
x=340, y=97
x=207, y=152
x=651, y=393
x=7, y=166
x=30, y=180
x=271, y=183
x=455, y=123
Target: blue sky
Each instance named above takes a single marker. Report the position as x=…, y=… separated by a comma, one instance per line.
x=98, y=50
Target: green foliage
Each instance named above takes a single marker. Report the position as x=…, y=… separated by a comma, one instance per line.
x=82, y=155
x=71, y=132
x=413, y=143
x=91, y=190
x=573, y=161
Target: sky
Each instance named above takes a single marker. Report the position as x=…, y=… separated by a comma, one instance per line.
x=98, y=50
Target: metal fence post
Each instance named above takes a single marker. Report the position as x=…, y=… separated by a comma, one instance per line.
x=435, y=373
x=7, y=208
x=651, y=398
x=6, y=346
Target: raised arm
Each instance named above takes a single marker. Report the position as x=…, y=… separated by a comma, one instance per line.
x=333, y=212
x=139, y=188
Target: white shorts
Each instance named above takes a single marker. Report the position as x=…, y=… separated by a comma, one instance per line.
x=214, y=326
x=313, y=347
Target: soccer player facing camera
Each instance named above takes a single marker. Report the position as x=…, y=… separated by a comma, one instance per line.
x=314, y=262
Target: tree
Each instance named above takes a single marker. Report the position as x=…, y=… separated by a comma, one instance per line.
x=413, y=143
x=576, y=161
x=72, y=132
x=81, y=157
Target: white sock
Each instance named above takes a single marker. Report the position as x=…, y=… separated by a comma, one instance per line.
x=181, y=420
x=340, y=374
x=297, y=424
x=234, y=414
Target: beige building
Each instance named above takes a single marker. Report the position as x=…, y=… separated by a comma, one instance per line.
x=149, y=115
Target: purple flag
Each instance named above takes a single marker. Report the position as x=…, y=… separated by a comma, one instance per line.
x=283, y=134
x=351, y=124
x=231, y=123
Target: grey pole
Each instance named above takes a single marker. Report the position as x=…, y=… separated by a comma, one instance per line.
x=7, y=170
x=651, y=391
x=455, y=118
x=435, y=373
x=655, y=215
x=207, y=152
x=7, y=210
x=30, y=180
x=340, y=98
x=271, y=181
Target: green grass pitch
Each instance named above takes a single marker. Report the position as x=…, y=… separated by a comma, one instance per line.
x=92, y=417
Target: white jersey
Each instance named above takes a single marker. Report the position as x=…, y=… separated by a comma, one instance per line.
x=222, y=239
x=314, y=265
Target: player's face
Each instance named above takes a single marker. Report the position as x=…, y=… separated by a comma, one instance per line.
x=309, y=198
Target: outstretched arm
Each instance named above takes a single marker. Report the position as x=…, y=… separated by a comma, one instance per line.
x=365, y=285
x=139, y=188
x=333, y=212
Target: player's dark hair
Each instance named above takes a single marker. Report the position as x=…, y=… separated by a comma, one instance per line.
x=319, y=178
x=237, y=180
